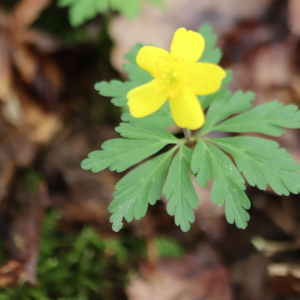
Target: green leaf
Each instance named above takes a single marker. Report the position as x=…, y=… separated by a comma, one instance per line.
x=180, y=191
x=83, y=10
x=201, y=165
x=224, y=106
x=158, y=3
x=228, y=185
x=130, y=9
x=141, y=129
x=210, y=54
x=262, y=162
x=267, y=118
x=80, y=11
x=168, y=248
x=135, y=73
x=139, y=187
x=102, y=6
x=120, y=154
x=116, y=90
x=64, y=3
x=116, y=4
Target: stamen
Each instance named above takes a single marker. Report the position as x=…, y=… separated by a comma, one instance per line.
x=169, y=69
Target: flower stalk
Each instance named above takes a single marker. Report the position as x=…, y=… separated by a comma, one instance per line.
x=187, y=134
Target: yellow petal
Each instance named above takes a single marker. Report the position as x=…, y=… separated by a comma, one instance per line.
x=204, y=78
x=146, y=99
x=148, y=56
x=186, y=110
x=188, y=45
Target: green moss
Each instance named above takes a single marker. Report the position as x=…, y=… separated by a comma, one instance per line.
x=76, y=266
x=82, y=265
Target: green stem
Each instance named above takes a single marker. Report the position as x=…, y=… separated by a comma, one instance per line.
x=187, y=134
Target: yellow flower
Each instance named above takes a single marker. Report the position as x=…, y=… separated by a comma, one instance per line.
x=177, y=77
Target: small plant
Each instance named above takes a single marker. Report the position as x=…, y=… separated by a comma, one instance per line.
x=83, y=265
x=75, y=266
x=83, y=10
x=190, y=69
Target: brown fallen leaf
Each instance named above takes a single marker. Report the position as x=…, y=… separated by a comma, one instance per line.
x=210, y=217
x=270, y=74
x=5, y=70
x=26, y=65
x=10, y=272
x=33, y=235
x=249, y=274
x=87, y=199
x=41, y=40
x=285, y=278
x=7, y=172
x=284, y=215
x=26, y=62
x=294, y=14
x=196, y=276
x=270, y=248
x=26, y=12
x=37, y=124
x=24, y=236
x=84, y=196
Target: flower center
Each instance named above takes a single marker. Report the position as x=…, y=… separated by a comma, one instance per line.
x=169, y=71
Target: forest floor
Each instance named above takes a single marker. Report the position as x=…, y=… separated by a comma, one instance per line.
x=57, y=241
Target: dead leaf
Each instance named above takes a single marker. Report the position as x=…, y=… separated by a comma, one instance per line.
x=12, y=109
x=83, y=197
x=285, y=278
x=294, y=13
x=10, y=272
x=25, y=230
x=26, y=63
x=26, y=12
x=20, y=149
x=209, y=216
x=196, y=276
x=43, y=41
x=270, y=248
x=37, y=124
x=7, y=172
x=24, y=66
x=249, y=275
x=283, y=214
x=268, y=73
x=5, y=70
x=284, y=269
